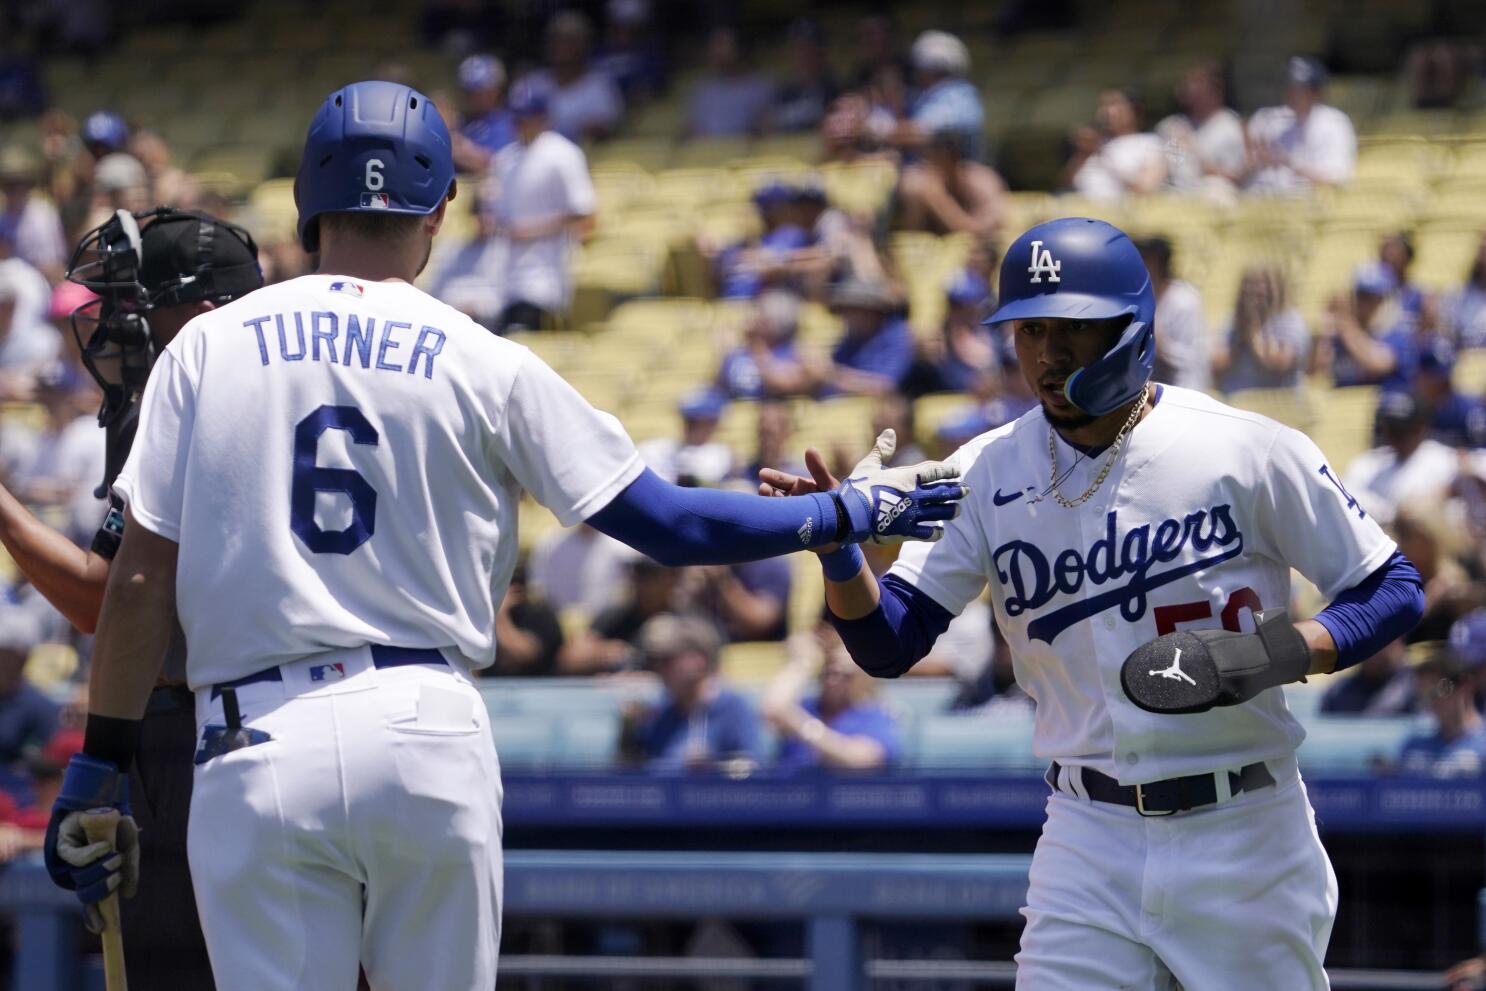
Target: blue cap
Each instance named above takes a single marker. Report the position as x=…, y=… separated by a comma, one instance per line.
x=773, y=192
x=529, y=98
x=105, y=128
x=1468, y=638
x=967, y=289
x=481, y=72
x=1374, y=279
x=373, y=146
x=703, y=404
x=1302, y=70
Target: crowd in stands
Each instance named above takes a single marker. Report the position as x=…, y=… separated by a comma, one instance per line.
x=525, y=121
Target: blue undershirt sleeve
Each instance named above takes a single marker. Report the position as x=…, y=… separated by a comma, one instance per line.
x=1373, y=613
x=897, y=634
x=679, y=526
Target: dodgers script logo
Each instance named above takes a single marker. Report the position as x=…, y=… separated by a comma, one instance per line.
x=1031, y=581
x=1043, y=264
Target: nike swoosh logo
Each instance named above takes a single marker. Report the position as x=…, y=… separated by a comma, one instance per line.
x=1002, y=500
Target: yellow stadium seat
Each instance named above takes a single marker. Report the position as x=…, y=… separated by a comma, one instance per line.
x=1469, y=373
x=710, y=152
x=533, y=522
x=1443, y=256
x=1344, y=423
x=807, y=593
x=751, y=663
x=649, y=154
x=1292, y=407
x=249, y=164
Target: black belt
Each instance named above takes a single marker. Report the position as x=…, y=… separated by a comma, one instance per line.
x=382, y=657
x=1162, y=798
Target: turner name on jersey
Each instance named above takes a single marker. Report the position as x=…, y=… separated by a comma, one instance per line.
x=349, y=339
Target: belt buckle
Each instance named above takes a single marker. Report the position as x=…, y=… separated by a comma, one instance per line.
x=1140, y=805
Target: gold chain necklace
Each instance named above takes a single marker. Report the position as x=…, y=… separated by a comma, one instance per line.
x=1114, y=452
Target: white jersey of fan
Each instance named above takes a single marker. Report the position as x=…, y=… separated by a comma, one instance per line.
x=1197, y=526
x=340, y=463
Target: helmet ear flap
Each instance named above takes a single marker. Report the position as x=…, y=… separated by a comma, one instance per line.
x=1109, y=383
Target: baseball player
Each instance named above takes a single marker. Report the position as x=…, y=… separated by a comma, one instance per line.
x=154, y=272
x=1138, y=539
x=324, y=489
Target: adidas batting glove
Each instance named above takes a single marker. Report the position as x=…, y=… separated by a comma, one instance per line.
x=892, y=505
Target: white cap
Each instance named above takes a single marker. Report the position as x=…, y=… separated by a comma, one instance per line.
x=117, y=172
x=940, y=51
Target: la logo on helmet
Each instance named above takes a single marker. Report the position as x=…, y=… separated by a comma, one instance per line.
x=1043, y=264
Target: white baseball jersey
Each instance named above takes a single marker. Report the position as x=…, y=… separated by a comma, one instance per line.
x=1197, y=526
x=340, y=462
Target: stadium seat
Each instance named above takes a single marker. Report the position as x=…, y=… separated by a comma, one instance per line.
x=589, y=743
x=1001, y=740
x=525, y=742
x=1294, y=408
x=751, y=663
x=1344, y=423
x=920, y=698
x=1469, y=373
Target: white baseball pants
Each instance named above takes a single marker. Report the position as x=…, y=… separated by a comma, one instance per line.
x=1232, y=897
x=366, y=833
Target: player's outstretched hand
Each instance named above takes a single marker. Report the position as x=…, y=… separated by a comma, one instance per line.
x=93, y=870
x=1195, y=670
x=893, y=505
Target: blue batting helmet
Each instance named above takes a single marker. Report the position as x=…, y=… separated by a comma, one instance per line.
x=373, y=147
x=1081, y=269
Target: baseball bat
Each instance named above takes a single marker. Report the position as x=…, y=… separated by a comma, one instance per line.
x=101, y=826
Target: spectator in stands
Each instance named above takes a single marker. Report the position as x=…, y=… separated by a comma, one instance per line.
x=486, y=124
x=695, y=458
x=1459, y=420
x=27, y=340
x=964, y=352
x=22, y=93
x=773, y=431
x=1205, y=141
x=859, y=125
x=747, y=602
x=1396, y=253
x=469, y=275
x=946, y=100
x=732, y=100
x=1430, y=538
x=1363, y=340
x=876, y=351
x=1304, y=144
x=947, y=192
x=699, y=723
x=998, y=400
x=1382, y=685
x=743, y=270
x=578, y=568
x=57, y=463
x=28, y=719
x=809, y=87
x=120, y=182
x=545, y=201
x=878, y=48
x=1182, y=357
x=28, y=219
x=895, y=412
x=104, y=133
x=1265, y=344
x=1115, y=158
x=767, y=363
x=1438, y=71
x=611, y=642
x=840, y=246
x=632, y=55
x=167, y=183
x=842, y=727
x=528, y=635
x=1464, y=310
x=585, y=103
x=1456, y=747
x=1408, y=466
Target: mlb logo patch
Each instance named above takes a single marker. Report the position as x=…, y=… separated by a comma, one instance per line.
x=375, y=201
x=354, y=288
x=328, y=672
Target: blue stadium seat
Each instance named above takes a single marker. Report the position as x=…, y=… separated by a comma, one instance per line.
x=1000, y=740
x=524, y=742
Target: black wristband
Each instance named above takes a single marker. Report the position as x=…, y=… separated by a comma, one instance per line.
x=112, y=739
x=843, y=522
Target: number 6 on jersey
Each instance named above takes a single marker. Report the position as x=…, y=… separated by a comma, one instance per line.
x=311, y=478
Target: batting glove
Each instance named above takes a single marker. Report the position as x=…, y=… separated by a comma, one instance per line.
x=1195, y=670
x=93, y=870
x=892, y=505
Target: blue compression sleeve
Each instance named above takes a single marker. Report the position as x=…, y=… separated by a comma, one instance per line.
x=678, y=526
x=1373, y=613
x=897, y=634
